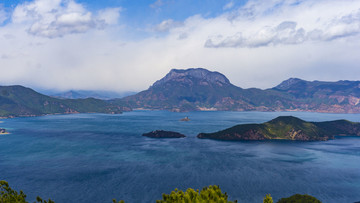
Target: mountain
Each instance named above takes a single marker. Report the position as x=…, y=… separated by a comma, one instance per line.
x=200, y=89
x=83, y=94
x=21, y=101
x=338, y=97
x=197, y=89
x=288, y=128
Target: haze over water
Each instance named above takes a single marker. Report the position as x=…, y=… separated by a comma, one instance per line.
x=98, y=157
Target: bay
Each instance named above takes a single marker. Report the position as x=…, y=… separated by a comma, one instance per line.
x=98, y=157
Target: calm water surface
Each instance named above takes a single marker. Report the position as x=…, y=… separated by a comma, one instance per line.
x=98, y=157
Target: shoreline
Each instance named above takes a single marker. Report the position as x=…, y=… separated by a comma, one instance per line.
x=144, y=109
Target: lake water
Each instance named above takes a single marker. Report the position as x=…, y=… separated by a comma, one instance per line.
x=98, y=157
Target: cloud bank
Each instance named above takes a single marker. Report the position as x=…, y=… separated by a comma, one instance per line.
x=60, y=44
x=57, y=18
x=334, y=26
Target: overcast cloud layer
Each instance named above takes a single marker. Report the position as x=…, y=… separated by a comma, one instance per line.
x=60, y=44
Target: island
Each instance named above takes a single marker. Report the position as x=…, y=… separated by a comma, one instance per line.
x=287, y=128
x=163, y=134
x=3, y=131
x=185, y=119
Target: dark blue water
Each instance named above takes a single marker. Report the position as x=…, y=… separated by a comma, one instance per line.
x=97, y=157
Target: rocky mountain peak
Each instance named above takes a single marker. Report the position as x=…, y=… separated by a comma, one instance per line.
x=196, y=73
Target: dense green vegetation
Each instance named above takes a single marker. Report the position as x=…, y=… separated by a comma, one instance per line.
x=287, y=127
x=210, y=194
x=297, y=198
x=21, y=101
x=268, y=199
x=8, y=195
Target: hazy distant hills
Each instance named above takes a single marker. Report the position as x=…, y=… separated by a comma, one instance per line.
x=200, y=89
x=21, y=101
x=83, y=94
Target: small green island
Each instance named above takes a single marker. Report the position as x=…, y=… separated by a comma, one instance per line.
x=163, y=134
x=287, y=128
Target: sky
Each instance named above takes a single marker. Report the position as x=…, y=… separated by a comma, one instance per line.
x=126, y=45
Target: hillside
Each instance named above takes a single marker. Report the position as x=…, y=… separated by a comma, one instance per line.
x=288, y=128
x=21, y=101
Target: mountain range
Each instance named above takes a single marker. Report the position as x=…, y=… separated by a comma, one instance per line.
x=197, y=89
x=194, y=89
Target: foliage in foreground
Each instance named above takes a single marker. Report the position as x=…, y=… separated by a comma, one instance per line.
x=268, y=199
x=210, y=194
x=8, y=195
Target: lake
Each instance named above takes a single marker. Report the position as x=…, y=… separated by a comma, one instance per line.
x=98, y=157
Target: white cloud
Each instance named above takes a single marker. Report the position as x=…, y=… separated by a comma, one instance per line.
x=168, y=24
x=284, y=33
x=109, y=15
x=327, y=25
x=57, y=18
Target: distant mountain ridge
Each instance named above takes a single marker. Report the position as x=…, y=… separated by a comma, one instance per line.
x=197, y=89
x=18, y=101
x=338, y=97
x=84, y=94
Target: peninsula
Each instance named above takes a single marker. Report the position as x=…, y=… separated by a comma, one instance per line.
x=287, y=128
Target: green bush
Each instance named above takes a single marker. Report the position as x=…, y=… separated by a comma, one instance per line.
x=211, y=194
x=268, y=199
x=297, y=198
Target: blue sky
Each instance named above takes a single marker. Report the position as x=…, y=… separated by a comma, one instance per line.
x=146, y=12
x=126, y=45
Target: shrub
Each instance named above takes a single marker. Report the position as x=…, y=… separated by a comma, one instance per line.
x=298, y=198
x=268, y=199
x=211, y=194
x=8, y=195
